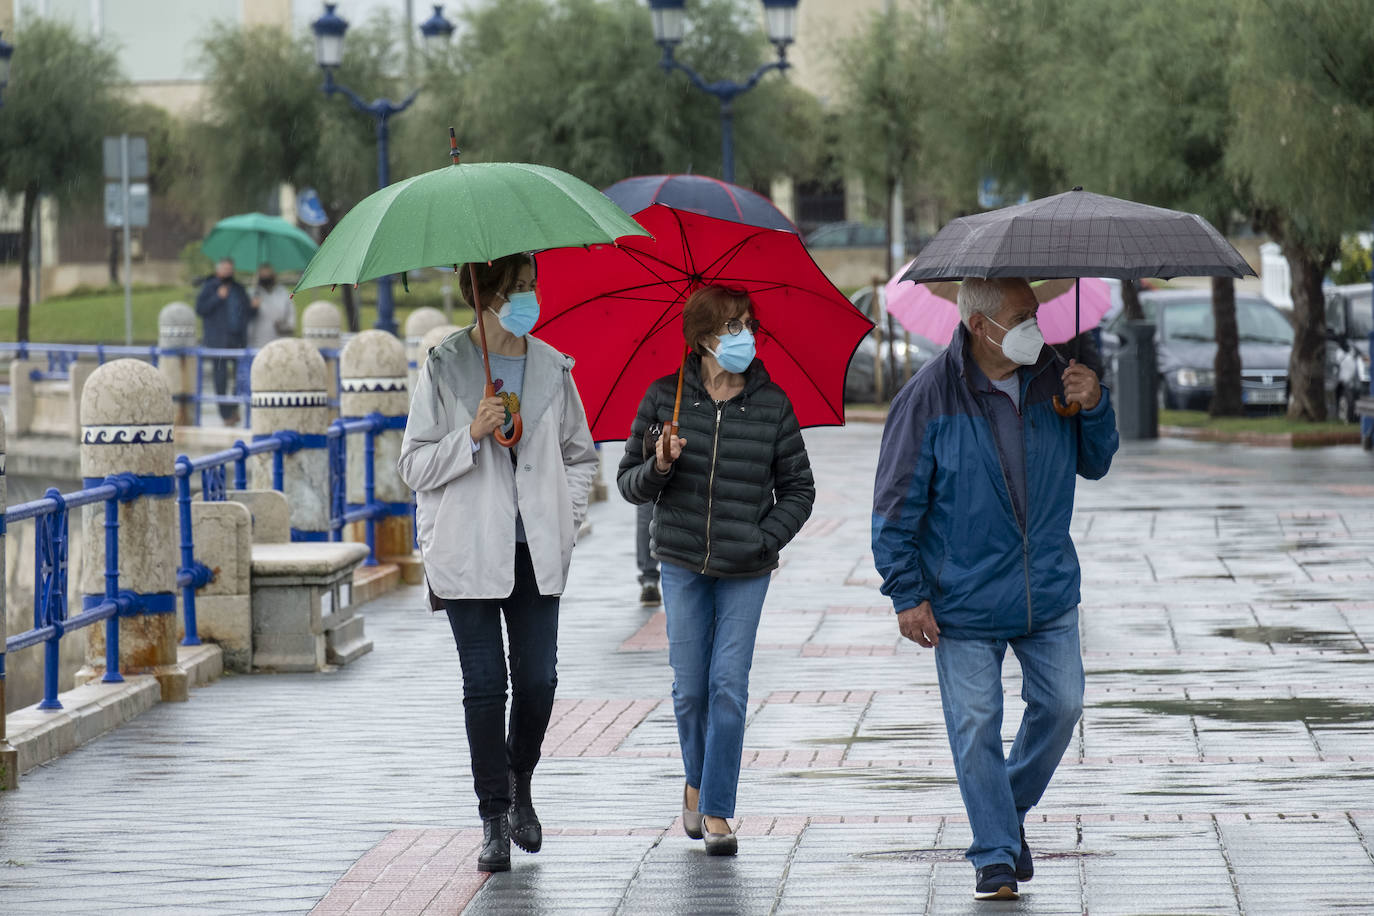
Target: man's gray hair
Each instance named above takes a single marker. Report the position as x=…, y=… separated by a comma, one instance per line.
x=986, y=297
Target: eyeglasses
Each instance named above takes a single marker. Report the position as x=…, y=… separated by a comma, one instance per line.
x=734, y=326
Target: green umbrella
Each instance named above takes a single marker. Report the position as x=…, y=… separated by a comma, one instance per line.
x=250, y=239
x=465, y=213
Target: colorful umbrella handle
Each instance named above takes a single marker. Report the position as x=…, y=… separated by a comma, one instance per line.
x=1065, y=410
x=517, y=428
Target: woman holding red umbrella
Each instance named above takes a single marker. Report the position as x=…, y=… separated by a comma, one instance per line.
x=729, y=492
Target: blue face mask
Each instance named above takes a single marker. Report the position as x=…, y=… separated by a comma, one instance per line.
x=520, y=313
x=736, y=351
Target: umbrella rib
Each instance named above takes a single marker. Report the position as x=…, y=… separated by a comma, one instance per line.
x=658, y=325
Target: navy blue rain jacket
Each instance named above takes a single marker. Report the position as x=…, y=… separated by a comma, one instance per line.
x=944, y=529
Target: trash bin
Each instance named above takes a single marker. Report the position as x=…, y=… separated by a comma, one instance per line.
x=1137, y=407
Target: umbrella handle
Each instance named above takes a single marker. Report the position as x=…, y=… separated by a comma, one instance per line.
x=1065, y=410
x=670, y=430
x=489, y=391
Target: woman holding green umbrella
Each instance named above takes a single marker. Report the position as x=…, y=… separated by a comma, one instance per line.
x=496, y=527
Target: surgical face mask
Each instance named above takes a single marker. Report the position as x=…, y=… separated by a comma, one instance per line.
x=1021, y=344
x=520, y=313
x=736, y=351
x=267, y=281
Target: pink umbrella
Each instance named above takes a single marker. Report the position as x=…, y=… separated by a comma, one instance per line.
x=932, y=310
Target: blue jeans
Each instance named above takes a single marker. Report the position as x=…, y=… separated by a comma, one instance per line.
x=532, y=623
x=998, y=791
x=712, y=623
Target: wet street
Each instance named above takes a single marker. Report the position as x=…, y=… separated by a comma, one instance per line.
x=1222, y=765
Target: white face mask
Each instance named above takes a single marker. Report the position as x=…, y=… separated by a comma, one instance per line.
x=1021, y=344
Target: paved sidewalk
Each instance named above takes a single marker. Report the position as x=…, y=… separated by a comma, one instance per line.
x=1222, y=764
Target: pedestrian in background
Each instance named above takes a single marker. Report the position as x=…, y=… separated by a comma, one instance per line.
x=496, y=527
x=728, y=495
x=649, y=595
x=971, y=511
x=272, y=313
x=223, y=307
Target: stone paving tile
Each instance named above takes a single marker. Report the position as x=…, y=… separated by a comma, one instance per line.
x=1221, y=765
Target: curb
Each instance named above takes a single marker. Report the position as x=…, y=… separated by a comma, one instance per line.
x=1282, y=440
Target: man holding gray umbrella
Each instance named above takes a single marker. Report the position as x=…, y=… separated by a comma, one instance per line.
x=975, y=485
x=971, y=511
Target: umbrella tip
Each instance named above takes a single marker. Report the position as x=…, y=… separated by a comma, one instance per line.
x=453, y=151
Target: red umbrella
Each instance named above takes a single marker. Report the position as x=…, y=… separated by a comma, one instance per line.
x=617, y=309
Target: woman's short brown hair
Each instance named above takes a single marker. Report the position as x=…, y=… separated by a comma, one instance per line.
x=496, y=277
x=708, y=309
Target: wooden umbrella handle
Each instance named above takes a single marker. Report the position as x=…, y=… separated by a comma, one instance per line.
x=670, y=430
x=517, y=428
x=1065, y=410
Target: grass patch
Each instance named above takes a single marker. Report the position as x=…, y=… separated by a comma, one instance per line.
x=1200, y=419
x=97, y=316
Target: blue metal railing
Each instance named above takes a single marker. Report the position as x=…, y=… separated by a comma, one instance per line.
x=60, y=358
x=51, y=516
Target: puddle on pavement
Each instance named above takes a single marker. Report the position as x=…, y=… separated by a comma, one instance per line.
x=957, y=855
x=1294, y=636
x=1314, y=711
x=878, y=778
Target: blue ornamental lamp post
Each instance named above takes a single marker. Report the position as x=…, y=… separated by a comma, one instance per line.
x=780, y=23
x=6, y=52
x=329, y=32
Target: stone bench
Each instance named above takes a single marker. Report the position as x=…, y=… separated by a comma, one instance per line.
x=302, y=605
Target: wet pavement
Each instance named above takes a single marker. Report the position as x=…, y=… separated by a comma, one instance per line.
x=1223, y=763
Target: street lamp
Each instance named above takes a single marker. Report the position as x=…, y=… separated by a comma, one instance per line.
x=329, y=32
x=6, y=52
x=780, y=24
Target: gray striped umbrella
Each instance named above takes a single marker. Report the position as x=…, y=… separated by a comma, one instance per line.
x=1078, y=234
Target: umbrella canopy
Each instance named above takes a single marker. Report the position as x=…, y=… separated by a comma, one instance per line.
x=699, y=194
x=932, y=309
x=1078, y=234
x=250, y=239
x=465, y=213
x=619, y=311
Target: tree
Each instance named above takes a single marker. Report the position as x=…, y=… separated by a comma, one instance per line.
x=268, y=123
x=884, y=77
x=979, y=120
x=1152, y=126
x=1303, y=93
x=63, y=88
x=575, y=84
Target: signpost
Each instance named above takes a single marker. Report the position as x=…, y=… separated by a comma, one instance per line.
x=126, y=204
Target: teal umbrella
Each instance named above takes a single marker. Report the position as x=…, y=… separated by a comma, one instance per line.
x=250, y=239
x=465, y=213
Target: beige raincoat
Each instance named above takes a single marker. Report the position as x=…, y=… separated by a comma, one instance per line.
x=466, y=501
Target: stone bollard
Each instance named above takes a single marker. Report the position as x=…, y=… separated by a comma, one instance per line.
x=373, y=380
x=126, y=429
x=433, y=337
x=21, y=395
x=9, y=757
x=419, y=323
x=322, y=328
x=176, y=330
x=289, y=395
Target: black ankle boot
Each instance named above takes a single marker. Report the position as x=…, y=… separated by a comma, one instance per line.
x=525, y=829
x=495, y=854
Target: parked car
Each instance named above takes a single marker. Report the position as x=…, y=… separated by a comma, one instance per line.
x=1349, y=320
x=858, y=380
x=850, y=234
x=1186, y=347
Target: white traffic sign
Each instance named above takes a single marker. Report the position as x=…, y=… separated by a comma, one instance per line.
x=114, y=204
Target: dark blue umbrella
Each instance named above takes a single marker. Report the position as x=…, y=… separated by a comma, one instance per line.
x=699, y=194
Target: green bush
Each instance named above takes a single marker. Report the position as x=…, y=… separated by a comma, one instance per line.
x=1354, y=265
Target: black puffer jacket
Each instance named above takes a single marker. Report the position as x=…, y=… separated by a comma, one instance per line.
x=742, y=487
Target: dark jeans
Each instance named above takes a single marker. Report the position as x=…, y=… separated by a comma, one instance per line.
x=648, y=566
x=225, y=372
x=532, y=624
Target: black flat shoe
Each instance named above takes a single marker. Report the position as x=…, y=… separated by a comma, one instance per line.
x=525, y=829
x=495, y=854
